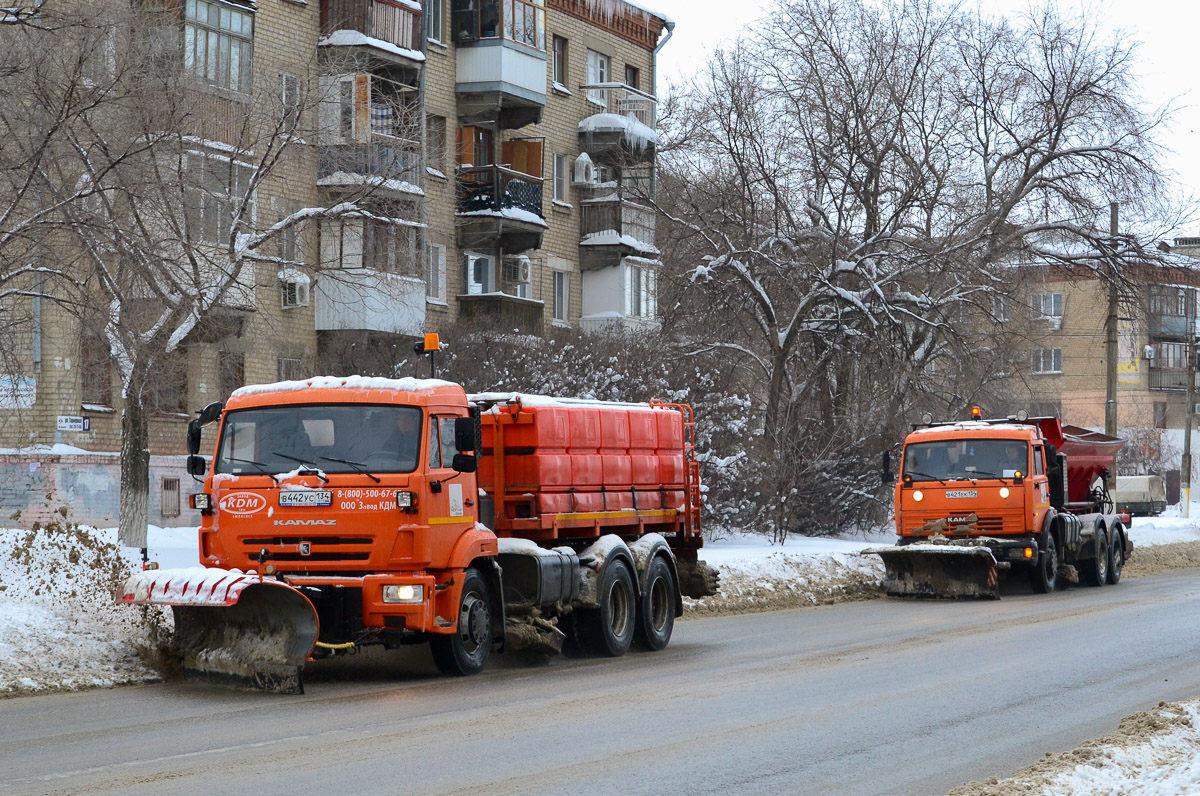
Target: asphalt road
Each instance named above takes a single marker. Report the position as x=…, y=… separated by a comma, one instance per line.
x=885, y=696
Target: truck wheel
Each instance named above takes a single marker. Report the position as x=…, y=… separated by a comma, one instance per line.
x=1116, y=556
x=1044, y=575
x=608, y=630
x=1096, y=570
x=656, y=610
x=466, y=650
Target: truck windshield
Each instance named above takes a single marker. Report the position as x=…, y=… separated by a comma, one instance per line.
x=948, y=459
x=279, y=439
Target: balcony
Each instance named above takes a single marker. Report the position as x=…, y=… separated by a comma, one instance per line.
x=388, y=30
x=1171, y=379
x=385, y=165
x=620, y=124
x=1163, y=325
x=500, y=61
x=361, y=299
x=499, y=206
x=502, y=311
x=612, y=228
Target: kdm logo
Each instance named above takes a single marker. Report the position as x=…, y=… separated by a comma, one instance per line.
x=243, y=503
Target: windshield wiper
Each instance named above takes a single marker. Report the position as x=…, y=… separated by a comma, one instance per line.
x=309, y=466
x=924, y=475
x=262, y=468
x=358, y=467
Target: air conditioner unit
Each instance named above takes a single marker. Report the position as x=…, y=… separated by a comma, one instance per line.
x=1054, y=322
x=518, y=270
x=294, y=294
x=1148, y=353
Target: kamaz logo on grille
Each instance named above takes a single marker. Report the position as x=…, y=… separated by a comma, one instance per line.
x=306, y=522
x=959, y=519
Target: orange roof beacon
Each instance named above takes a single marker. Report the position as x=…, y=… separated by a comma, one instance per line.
x=344, y=512
x=981, y=498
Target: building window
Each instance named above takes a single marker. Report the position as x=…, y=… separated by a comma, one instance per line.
x=597, y=72
x=1046, y=305
x=435, y=280
x=1046, y=360
x=170, y=497
x=480, y=274
x=231, y=372
x=289, y=100
x=219, y=44
x=521, y=21
x=562, y=292
x=95, y=370
x=641, y=289
x=631, y=76
x=218, y=197
x=290, y=369
x=346, y=109
x=390, y=248
x=435, y=144
x=559, y=61
x=168, y=394
x=1160, y=414
x=1000, y=305
x=562, y=177
x=433, y=20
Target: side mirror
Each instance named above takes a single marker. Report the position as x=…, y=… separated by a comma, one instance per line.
x=193, y=437
x=885, y=471
x=196, y=465
x=464, y=463
x=211, y=413
x=464, y=434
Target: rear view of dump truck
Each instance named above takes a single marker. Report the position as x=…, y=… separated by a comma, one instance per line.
x=982, y=499
x=339, y=513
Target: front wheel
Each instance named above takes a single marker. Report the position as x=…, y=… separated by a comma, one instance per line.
x=656, y=610
x=466, y=650
x=1116, y=557
x=1044, y=575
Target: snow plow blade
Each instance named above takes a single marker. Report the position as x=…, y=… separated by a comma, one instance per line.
x=939, y=571
x=231, y=627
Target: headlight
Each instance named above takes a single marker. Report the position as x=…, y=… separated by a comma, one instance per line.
x=404, y=500
x=403, y=594
x=200, y=500
x=918, y=496
x=1003, y=491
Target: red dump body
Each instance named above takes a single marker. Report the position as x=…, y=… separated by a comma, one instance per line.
x=1088, y=454
x=572, y=470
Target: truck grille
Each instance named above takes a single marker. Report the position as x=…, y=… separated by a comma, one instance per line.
x=323, y=548
x=913, y=523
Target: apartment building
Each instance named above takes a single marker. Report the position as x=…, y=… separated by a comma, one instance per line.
x=502, y=150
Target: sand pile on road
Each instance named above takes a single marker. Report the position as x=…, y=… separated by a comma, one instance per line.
x=792, y=581
x=1152, y=560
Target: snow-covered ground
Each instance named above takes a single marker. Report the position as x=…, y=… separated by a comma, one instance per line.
x=59, y=629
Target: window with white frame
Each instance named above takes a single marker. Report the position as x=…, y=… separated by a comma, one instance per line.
x=560, y=61
x=217, y=196
x=289, y=100
x=219, y=44
x=562, y=178
x=433, y=19
x=597, y=72
x=481, y=274
x=562, y=294
x=1000, y=308
x=435, y=278
x=1046, y=360
x=389, y=247
x=1046, y=305
x=641, y=291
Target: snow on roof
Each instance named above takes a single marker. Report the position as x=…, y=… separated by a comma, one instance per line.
x=610, y=237
x=528, y=399
x=608, y=9
x=407, y=384
x=976, y=425
x=353, y=38
x=515, y=213
x=294, y=275
x=346, y=178
x=637, y=134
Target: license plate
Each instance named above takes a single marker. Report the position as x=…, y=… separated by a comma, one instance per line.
x=315, y=497
x=962, y=493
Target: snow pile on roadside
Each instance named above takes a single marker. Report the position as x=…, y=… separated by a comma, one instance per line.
x=1154, y=752
x=759, y=576
x=60, y=628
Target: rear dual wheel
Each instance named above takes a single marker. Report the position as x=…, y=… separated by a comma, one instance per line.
x=1116, y=556
x=656, y=609
x=1095, y=571
x=608, y=629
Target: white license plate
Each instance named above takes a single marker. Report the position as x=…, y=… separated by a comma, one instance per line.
x=315, y=497
x=962, y=493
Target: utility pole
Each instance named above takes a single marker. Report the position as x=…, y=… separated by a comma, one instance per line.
x=1110, y=342
x=1185, y=469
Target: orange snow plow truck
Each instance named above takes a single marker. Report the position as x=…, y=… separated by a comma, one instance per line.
x=982, y=498
x=344, y=512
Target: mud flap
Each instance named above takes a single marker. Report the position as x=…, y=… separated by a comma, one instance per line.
x=941, y=571
x=259, y=642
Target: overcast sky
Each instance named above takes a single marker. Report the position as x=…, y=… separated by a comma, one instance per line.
x=1167, y=31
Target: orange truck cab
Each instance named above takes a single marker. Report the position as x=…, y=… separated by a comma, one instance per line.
x=394, y=511
x=981, y=497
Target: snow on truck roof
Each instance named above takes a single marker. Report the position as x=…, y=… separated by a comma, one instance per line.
x=976, y=425
x=345, y=383
x=528, y=399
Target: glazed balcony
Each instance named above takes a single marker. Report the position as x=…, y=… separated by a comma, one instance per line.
x=386, y=29
x=498, y=206
x=620, y=122
x=613, y=227
x=500, y=61
x=1170, y=379
x=386, y=164
x=363, y=299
